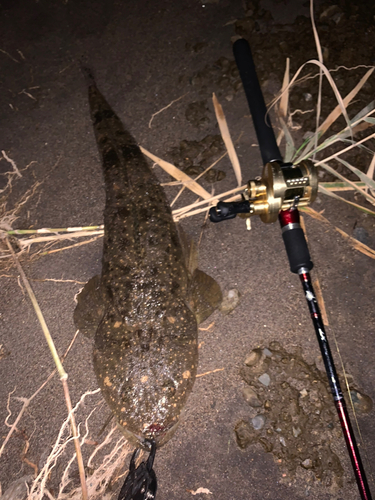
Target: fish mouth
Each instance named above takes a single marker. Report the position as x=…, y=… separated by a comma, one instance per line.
x=156, y=429
x=156, y=432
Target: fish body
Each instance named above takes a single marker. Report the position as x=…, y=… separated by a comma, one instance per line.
x=141, y=309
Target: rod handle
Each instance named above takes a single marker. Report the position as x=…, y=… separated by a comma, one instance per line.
x=295, y=241
x=297, y=250
x=262, y=123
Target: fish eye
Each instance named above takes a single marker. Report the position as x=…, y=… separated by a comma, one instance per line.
x=169, y=387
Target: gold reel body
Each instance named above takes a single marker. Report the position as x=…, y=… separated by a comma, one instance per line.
x=278, y=188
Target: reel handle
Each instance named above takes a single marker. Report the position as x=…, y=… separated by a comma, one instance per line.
x=228, y=210
x=262, y=123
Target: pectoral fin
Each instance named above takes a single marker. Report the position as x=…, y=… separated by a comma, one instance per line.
x=205, y=295
x=90, y=307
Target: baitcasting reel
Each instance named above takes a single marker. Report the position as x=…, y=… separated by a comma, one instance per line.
x=279, y=188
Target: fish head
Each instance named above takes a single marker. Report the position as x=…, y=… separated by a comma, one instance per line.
x=151, y=406
x=146, y=379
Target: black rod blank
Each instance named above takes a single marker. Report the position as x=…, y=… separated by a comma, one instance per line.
x=262, y=123
x=334, y=383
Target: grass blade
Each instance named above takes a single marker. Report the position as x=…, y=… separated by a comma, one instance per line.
x=357, y=245
x=353, y=145
x=344, y=179
x=178, y=174
x=289, y=143
x=363, y=177
x=340, y=186
x=332, y=117
x=333, y=195
x=225, y=134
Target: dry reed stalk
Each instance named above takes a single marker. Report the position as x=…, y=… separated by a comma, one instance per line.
x=320, y=57
x=345, y=150
x=62, y=373
x=225, y=134
x=343, y=178
x=166, y=107
x=185, y=209
x=178, y=174
x=357, y=245
x=25, y=243
x=332, y=117
x=341, y=186
x=282, y=110
x=197, y=178
x=48, y=230
x=284, y=99
x=209, y=372
x=320, y=300
x=26, y=401
x=7, y=54
x=370, y=173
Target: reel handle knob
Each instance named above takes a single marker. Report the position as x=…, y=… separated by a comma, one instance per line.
x=228, y=210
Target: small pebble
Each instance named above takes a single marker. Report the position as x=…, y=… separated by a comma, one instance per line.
x=244, y=434
x=360, y=234
x=303, y=393
x=307, y=464
x=230, y=301
x=267, y=445
x=258, y=422
x=267, y=352
x=251, y=397
x=296, y=432
x=253, y=358
x=282, y=441
x=265, y=379
x=361, y=402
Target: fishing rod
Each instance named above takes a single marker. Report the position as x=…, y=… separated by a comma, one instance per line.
x=278, y=194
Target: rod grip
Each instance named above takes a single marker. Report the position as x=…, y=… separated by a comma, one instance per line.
x=297, y=249
x=295, y=241
x=262, y=123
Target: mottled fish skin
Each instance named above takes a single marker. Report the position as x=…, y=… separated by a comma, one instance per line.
x=145, y=352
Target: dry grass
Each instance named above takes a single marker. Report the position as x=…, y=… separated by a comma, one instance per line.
x=105, y=465
x=106, y=462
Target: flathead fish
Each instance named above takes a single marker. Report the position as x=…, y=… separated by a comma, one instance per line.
x=144, y=307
